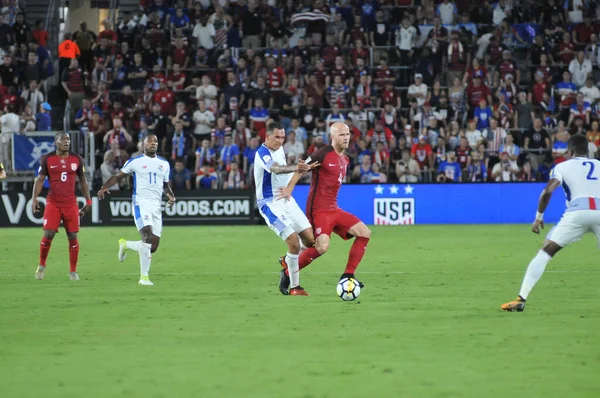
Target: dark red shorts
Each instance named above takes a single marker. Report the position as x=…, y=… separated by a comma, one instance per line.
x=339, y=221
x=69, y=216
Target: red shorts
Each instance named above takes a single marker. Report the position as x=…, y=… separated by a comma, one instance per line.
x=69, y=216
x=339, y=221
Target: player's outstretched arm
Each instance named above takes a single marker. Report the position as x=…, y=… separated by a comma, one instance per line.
x=286, y=193
x=170, y=194
x=300, y=167
x=111, y=181
x=543, y=204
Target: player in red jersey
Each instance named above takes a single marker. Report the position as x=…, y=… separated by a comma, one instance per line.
x=322, y=208
x=62, y=169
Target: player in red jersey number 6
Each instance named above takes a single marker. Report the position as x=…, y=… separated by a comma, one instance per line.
x=62, y=169
x=322, y=208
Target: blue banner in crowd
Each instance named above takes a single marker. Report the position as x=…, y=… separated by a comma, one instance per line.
x=492, y=203
x=29, y=149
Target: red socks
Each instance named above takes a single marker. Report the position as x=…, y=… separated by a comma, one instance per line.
x=356, y=254
x=73, y=254
x=306, y=257
x=44, y=250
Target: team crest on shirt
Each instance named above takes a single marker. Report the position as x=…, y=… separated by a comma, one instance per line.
x=267, y=158
x=146, y=217
x=74, y=166
x=161, y=168
x=318, y=231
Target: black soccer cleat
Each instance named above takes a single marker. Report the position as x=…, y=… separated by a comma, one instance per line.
x=284, y=283
x=360, y=284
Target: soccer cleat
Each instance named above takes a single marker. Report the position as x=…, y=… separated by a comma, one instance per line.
x=40, y=272
x=122, y=250
x=360, y=284
x=73, y=276
x=517, y=305
x=298, y=291
x=145, y=281
x=284, y=279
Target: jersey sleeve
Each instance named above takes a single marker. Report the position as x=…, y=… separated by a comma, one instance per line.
x=167, y=172
x=318, y=156
x=128, y=167
x=264, y=159
x=81, y=168
x=43, y=165
x=556, y=173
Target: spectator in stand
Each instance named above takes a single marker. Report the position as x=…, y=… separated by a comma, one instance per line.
x=580, y=68
x=482, y=115
x=118, y=134
x=204, y=121
x=32, y=96
x=204, y=33
x=379, y=133
x=293, y=149
x=447, y=12
x=137, y=73
x=248, y=158
x=475, y=92
x=119, y=155
x=463, y=153
x=206, y=177
x=204, y=154
x=580, y=110
x=67, y=50
x=449, y=169
x=507, y=66
x=559, y=148
x=309, y=114
x=423, y=154
x=418, y=90
x=526, y=174
x=229, y=153
x=180, y=178
x=179, y=143
x=593, y=134
x=40, y=34
x=234, y=178
x=566, y=50
x=511, y=148
x=85, y=39
x=505, y=170
x=537, y=144
x=335, y=115
x=495, y=137
x=43, y=120
x=73, y=82
x=407, y=169
x=591, y=93
x=457, y=58
x=258, y=117
x=363, y=172
x=27, y=120
x=108, y=169
x=219, y=133
x=477, y=171
x=318, y=142
x=381, y=156
x=523, y=115
x=565, y=91
x=251, y=26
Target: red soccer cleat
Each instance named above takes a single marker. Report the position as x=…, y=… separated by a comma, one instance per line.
x=298, y=291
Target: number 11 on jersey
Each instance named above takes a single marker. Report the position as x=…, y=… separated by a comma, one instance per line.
x=150, y=176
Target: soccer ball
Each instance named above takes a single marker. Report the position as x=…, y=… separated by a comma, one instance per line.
x=348, y=289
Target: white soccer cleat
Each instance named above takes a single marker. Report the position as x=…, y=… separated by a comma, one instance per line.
x=145, y=281
x=40, y=272
x=73, y=276
x=122, y=250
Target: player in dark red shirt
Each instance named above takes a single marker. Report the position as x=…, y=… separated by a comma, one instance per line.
x=322, y=208
x=62, y=168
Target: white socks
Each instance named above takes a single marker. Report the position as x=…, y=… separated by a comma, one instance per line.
x=293, y=269
x=534, y=272
x=133, y=245
x=145, y=258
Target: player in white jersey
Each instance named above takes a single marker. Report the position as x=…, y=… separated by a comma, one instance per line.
x=150, y=181
x=580, y=179
x=283, y=216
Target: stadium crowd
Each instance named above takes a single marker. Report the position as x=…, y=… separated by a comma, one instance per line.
x=433, y=91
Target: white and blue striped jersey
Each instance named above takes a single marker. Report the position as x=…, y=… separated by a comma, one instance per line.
x=267, y=182
x=149, y=176
x=580, y=179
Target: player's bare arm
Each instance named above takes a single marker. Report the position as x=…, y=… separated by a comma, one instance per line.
x=170, y=195
x=301, y=167
x=2, y=172
x=543, y=204
x=37, y=189
x=286, y=193
x=111, y=181
x=85, y=189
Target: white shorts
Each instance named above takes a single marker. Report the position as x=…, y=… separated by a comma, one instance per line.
x=145, y=215
x=284, y=217
x=573, y=225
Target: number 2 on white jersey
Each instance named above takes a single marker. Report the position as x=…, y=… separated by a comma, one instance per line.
x=591, y=171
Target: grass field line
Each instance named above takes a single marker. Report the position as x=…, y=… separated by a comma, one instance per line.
x=325, y=273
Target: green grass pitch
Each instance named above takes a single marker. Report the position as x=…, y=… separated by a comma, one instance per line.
x=427, y=323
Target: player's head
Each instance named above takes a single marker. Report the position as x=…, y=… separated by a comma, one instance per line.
x=578, y=146
x=62, y=141
x=340, y=135
x=275, y=136
x=150, y=145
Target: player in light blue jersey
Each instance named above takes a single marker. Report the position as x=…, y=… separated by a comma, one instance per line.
x=283, y=216
x=150, y=180
x=580, y=179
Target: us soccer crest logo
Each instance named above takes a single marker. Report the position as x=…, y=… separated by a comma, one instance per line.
x=74, y=166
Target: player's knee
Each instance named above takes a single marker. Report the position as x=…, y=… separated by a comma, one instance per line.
x=71, y=235
x=365, y=232
x=49, y=234
x=322, y=246
x=153, y=248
